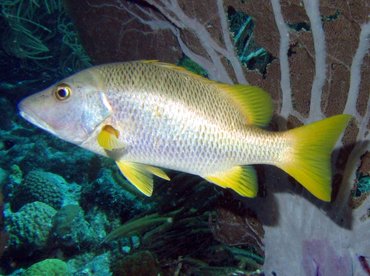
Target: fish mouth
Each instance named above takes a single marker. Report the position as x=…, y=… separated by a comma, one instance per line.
x=30, y=116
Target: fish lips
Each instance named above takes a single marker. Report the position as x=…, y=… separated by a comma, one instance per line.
x=29, y=115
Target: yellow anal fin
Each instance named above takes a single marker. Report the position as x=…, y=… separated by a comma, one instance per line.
x=242, y=179
x=253, y=102
x=157, y=172
x=138, y=175
x=308, y=159
x=108, y=138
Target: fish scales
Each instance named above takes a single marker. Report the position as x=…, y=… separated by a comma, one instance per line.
x=167, y=124
x=148, y=115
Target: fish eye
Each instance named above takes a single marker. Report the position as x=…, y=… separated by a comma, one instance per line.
x=63, y=92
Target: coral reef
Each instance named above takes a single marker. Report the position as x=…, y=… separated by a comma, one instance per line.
x=3, y=234
x=52, y=267
x=105, y=191
x=139, y=263
x=87, y=265
x=71, y=230
x=39, y=186
x=29, y=228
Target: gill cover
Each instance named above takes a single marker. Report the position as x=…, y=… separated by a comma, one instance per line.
x=71, y=109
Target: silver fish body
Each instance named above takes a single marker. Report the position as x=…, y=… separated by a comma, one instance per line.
x=166, y=117
x=164, y=123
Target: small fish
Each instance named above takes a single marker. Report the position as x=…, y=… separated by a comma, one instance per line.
x=149, y=115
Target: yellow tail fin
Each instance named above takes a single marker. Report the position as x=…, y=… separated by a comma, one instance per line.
x=308, y=159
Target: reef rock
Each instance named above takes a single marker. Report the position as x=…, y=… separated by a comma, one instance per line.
x=71, y=230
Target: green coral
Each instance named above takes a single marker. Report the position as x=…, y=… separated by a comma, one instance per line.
x=48, y=267
x=29, y=228
x=16, y=174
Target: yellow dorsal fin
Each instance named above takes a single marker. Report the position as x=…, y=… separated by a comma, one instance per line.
x=242, y=179
x=108, y=138
x=254, y=102
x=138, y=175
x=157, y=172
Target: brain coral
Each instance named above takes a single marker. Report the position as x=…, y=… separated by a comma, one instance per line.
x=39, y=186
x=50, y=267
x=29, y=227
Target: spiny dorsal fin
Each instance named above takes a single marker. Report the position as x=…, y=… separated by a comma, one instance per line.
x=242, y=179
x=254, y=102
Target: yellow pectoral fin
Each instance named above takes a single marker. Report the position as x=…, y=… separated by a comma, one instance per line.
x=138, y=175
x=108, y=138
x=242, y=179
x=157, y=172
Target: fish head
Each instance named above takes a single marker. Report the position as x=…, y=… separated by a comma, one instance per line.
x=71, y=109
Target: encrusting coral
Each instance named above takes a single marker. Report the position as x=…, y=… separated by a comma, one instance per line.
x=71, y=230
x=49, y=267
x=29, y=228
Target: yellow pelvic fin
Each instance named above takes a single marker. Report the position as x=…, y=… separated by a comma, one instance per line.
x=157, y=172
x=141, y=175
x=242, y=179
x=254, y=102
x=138, y=176
x=308, y=160
x=108, y=138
